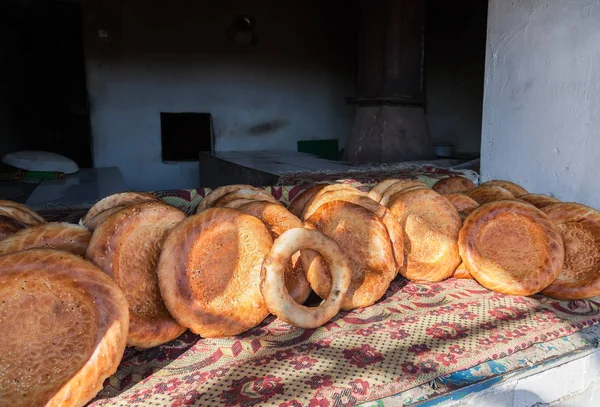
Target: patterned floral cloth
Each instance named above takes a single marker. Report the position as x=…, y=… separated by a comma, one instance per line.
x=415, y=333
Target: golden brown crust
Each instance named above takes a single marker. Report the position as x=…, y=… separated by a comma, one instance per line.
x=365, y=240
x=376, y=193
x=300, y=201
x=463, y=204
x=236, y=203
x=513, y=188
x=20, y=213
x=272, y=285
x=579, y=226
x=462, y=272
x=92, y=223
x=257, y=195
x=126, y=246
x=431, y=225
x=219, y=192
x=9, y=226
x=401, y=187
x=538, y=200
x=490, y=193
x=278, y=219
x=297, y=204
x=209, y=272
x=30, y=219
x=511, y=247
x=392, y=225
x=119, y=199
x=54, y=235
x=64, y=325
x=453, y=185
x=324, y=196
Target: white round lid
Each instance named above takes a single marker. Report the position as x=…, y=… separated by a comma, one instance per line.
x=41, y=161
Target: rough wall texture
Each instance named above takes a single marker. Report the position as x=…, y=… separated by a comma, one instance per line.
x=541, y=116
x=175, y=56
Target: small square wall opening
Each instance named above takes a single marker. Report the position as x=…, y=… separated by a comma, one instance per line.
x=184, y=135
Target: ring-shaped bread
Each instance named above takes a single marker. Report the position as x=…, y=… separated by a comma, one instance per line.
x=54, y=235
x=64, y=326
x=431, y=225
x=579, y=226
x=513, y=188
x=120, y=199
x=217, y=193
x=126, y=246
x=511, y=247
x=278, y=220
x=365, y=241
x=209, y=272
x=453, y=185
x=278, y=300
x=463, y=204
x=539, y=200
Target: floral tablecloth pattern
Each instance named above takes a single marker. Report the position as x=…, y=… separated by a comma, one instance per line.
x=416, y=333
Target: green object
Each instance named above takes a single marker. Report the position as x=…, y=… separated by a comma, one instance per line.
x=22, y=175
x=327, y=149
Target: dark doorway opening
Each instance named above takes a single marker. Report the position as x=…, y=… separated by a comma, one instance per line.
x=42, y=75
x=185, y=135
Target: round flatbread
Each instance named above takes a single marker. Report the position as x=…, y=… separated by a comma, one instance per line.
x=64, y=326
x=401, y=186
x=513, y=188
x=324, y=196
x=209, y=272
x=236, y=203
x=126, y=246
x=256, y=195
x=121, y=199
x=490, y=193
x=300, y=201
x=376, y=193
x=54, y=235
x=431, y=225
x=92, y=223
x=453, y=185
x=462, y=272
x=20, y=213
x=463, y=204
x=9, y=226
x=278, y=220
x=365, y=241
x=511, y=247
x=579, y=226
x=392, y=225
x=217, y=193
x=538, y=200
